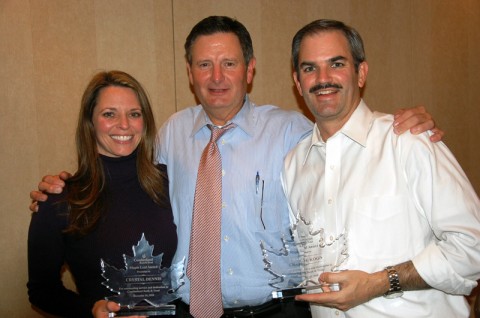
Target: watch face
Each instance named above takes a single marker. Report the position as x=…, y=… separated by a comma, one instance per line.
x=393, y=294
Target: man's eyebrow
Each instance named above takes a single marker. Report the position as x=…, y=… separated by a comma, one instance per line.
x=337, y=58
x=331, y=60
x=307, y=63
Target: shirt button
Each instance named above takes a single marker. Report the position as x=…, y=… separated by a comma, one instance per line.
x=223, y=141
x=224, y=205
x=223, y=173
x=230, y=271
x=337, y=312
x=226, y=238
x=330, y=201
x=332, y=167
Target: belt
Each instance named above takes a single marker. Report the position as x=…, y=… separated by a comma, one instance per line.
x=262, y=310
x=259, y=311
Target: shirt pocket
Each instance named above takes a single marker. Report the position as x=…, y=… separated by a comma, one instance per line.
x=270, y=207
x=380, y=227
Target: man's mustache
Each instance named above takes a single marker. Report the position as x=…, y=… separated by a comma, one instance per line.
x=323, y=86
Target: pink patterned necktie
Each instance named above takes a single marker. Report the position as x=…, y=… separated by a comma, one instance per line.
x=205, y=243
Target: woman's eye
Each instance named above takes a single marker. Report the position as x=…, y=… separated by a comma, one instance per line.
x=108, y=114
x=136, y=114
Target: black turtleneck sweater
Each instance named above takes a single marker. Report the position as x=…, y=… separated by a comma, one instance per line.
x=131, y=212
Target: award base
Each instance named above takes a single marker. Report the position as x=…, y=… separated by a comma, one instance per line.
x=292, y=292
x=163, y=310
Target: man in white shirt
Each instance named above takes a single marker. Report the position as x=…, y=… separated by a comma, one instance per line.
x=393, y=220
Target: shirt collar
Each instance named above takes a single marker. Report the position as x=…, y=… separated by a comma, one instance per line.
x=356, y=128
x=244, y=119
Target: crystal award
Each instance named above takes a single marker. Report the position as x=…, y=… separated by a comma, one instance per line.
x=143, y=287
x=308, y=252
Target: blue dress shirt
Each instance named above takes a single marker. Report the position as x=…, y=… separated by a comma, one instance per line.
x=259, y=143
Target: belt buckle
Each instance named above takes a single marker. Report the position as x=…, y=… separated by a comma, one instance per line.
x=243, y=312
x=248, y=311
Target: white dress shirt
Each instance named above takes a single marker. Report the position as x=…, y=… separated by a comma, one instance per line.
x=373, y=199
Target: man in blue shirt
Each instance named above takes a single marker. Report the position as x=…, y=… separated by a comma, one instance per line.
x=220, y=64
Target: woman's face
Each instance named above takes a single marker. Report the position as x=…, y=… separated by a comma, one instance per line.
x=118, y=121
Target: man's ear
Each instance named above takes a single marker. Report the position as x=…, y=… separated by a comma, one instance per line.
x=362, y=74
x=297, y=83
x=189, y=73
x=251, y=69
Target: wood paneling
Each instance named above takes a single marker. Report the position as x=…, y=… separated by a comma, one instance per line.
x=419, y=52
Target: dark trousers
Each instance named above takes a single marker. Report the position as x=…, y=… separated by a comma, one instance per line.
x=272, y=309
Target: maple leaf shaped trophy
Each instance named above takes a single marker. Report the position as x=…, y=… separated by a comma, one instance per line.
x=144, y=287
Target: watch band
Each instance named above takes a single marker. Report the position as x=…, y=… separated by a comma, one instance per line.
x=395, y=289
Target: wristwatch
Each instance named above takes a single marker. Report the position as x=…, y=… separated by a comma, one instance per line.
x=395, y=289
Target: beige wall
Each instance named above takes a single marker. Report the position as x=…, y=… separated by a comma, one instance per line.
x=419, y=51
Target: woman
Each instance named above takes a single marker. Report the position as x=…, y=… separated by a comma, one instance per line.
x=116, y=195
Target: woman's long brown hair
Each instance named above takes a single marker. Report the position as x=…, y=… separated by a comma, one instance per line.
x=86, y=195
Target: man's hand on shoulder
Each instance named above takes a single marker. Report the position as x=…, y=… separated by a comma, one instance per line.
x=417, y=120
x=49, y=184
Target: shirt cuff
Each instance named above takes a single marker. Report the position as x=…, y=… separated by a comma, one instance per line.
x=435, y=270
